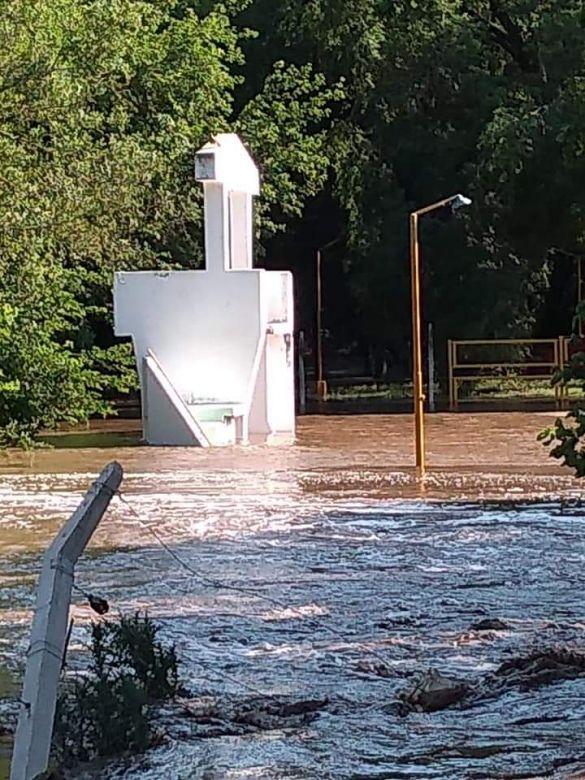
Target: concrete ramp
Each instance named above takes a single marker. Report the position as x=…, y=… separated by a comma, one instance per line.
x=169, y=420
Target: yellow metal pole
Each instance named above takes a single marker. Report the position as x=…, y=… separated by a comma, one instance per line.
x=419, y=398
x=321, y=383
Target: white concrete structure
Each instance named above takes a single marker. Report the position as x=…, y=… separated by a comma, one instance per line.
x=214, y=347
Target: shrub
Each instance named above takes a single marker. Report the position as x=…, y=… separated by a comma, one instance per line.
x=106, y=712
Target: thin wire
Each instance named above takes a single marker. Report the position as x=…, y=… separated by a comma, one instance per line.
x=219, y=585
x=240, y=683
x=209, y=580
x=246, y=591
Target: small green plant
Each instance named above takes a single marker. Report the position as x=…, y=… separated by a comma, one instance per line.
x=106, y=712
x=134, y=641
x=566, y=438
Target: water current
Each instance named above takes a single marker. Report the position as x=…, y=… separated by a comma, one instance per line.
x=365, y=562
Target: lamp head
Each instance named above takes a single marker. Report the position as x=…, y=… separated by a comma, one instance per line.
x=459, y=201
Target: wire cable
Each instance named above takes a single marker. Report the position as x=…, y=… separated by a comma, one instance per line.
x=239, y=589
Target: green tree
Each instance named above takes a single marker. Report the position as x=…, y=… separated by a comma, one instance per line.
x=102, y=105
x=480, y=96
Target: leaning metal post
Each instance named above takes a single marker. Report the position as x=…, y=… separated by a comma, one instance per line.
x=32, y=742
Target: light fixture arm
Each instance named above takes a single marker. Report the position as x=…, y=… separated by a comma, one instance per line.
x=455, y=200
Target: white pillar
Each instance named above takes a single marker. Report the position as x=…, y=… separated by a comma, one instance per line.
x=241, y=238
x=217, y=229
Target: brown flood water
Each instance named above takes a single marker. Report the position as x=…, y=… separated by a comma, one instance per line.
x=338, y=528
x=463, y=443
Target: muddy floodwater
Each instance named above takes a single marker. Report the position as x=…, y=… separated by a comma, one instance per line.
x=346, y=560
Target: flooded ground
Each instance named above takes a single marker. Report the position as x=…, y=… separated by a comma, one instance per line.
x=346, y=559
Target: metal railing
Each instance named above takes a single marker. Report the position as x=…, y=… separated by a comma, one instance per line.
x=522, y=369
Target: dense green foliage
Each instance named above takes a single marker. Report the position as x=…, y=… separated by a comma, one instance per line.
x=106, y=712
x=357, y=110
x=479, y=96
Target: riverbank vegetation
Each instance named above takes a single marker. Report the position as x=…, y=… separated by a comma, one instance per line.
x=108, y=711
x=357, y=111
x=9, y=690
x=566, y=438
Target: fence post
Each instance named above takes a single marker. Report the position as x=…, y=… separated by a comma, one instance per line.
x=431, y=357
x=563, y=359
x=557, y=363
x=32, y=741
x=450, y=369
x=302, y=374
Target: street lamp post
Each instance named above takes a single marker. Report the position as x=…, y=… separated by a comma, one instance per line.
x=321, y=384
x=321, y=387
x=455, y=202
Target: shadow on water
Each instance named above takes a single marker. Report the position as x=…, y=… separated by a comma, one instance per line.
x=101, y=434
x=335, y=558
x=91, y=440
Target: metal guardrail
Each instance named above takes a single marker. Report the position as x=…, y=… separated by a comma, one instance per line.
x=461, y=371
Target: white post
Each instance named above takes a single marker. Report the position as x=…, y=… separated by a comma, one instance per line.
x=431, y=351
x=32, y=742
x=217, y=226
x=240, y=230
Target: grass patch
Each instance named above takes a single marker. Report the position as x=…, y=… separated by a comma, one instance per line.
x=5, y=756
x=510, y=388
x=504, y=388
x=9, y=684
x=9, y=688
x=90, y=440
x=395, y=391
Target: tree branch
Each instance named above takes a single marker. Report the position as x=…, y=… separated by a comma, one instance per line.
x=506, y=33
